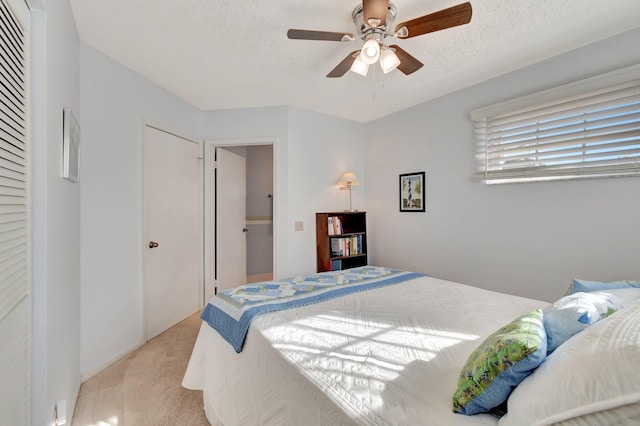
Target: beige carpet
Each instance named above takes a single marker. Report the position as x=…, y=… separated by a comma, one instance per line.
x=144, y=388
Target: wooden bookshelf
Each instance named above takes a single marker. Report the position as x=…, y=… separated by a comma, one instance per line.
x=341, y=240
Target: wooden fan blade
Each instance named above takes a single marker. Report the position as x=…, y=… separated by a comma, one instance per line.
x=376, y=11
x=344, y=66
x=408, y=64
x=446, y=18
x=319, y=35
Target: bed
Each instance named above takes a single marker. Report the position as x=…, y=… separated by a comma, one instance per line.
x=393, y=354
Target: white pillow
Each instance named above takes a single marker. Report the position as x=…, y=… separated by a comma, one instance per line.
x=598, y=369
x=620, y=297
x=572, y=314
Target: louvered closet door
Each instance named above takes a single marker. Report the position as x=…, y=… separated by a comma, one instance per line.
x=15, y=312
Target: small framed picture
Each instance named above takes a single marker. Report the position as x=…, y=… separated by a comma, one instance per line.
x=70, y=147
x=412, y=192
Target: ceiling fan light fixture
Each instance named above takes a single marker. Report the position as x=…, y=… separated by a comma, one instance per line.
x=373, y=20
x=360, y=67
x=370, y=52
x=388, y=60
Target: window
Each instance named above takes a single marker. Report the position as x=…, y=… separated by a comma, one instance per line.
x=586, y=129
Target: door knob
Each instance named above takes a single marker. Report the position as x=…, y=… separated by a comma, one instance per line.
x=245, y=230
x=153, y=244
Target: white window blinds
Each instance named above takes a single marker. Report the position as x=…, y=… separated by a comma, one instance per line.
x=590, y=128
x=15, y=310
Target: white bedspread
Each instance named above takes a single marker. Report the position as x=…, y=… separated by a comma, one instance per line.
x=389, y=356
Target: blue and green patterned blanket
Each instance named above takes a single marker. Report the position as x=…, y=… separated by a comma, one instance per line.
x=230, y=312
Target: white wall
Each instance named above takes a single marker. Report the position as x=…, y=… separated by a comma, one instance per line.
x=115, y=102
x=311, y=152
x=55, y=208
x=526, y=239
x=321, y=149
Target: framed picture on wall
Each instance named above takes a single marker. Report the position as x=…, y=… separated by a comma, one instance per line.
x=70, y=147
x=412, y=192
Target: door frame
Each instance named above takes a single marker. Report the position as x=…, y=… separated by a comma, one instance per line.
x=143, y=124
x=208, y=250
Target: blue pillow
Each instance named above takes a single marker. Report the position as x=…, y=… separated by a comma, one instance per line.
x=500, y=363
x=572, y=314
x=583, y=285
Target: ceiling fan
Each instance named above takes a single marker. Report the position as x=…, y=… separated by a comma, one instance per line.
x=373, y=20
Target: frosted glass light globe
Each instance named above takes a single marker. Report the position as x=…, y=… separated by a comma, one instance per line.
x=370, y=51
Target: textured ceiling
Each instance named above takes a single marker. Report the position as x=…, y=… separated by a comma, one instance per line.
x=219, y=54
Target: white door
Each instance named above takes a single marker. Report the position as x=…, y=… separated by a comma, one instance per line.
x=172, y=232
x=231, y=242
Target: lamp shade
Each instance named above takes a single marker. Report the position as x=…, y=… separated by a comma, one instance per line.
x=360, y=67
x=388, y=60
x=347, y=178
x=370, y=51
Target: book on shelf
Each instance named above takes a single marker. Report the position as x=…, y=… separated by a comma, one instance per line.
x=334, y=225
x=346, y=246
x=336, y=265
x=336, y=247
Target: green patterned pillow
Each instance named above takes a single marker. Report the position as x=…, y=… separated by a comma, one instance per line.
x=500, y=363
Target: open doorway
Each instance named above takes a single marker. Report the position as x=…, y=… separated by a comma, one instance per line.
x=259, y=218
x=223, y=233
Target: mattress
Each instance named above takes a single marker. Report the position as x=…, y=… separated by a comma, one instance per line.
x=389, y=356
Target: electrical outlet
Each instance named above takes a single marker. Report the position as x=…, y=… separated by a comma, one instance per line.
x=299, y=226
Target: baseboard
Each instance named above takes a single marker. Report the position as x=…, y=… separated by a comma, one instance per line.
x=86, y=375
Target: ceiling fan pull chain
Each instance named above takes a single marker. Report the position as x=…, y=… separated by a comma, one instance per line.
x=373, y=84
